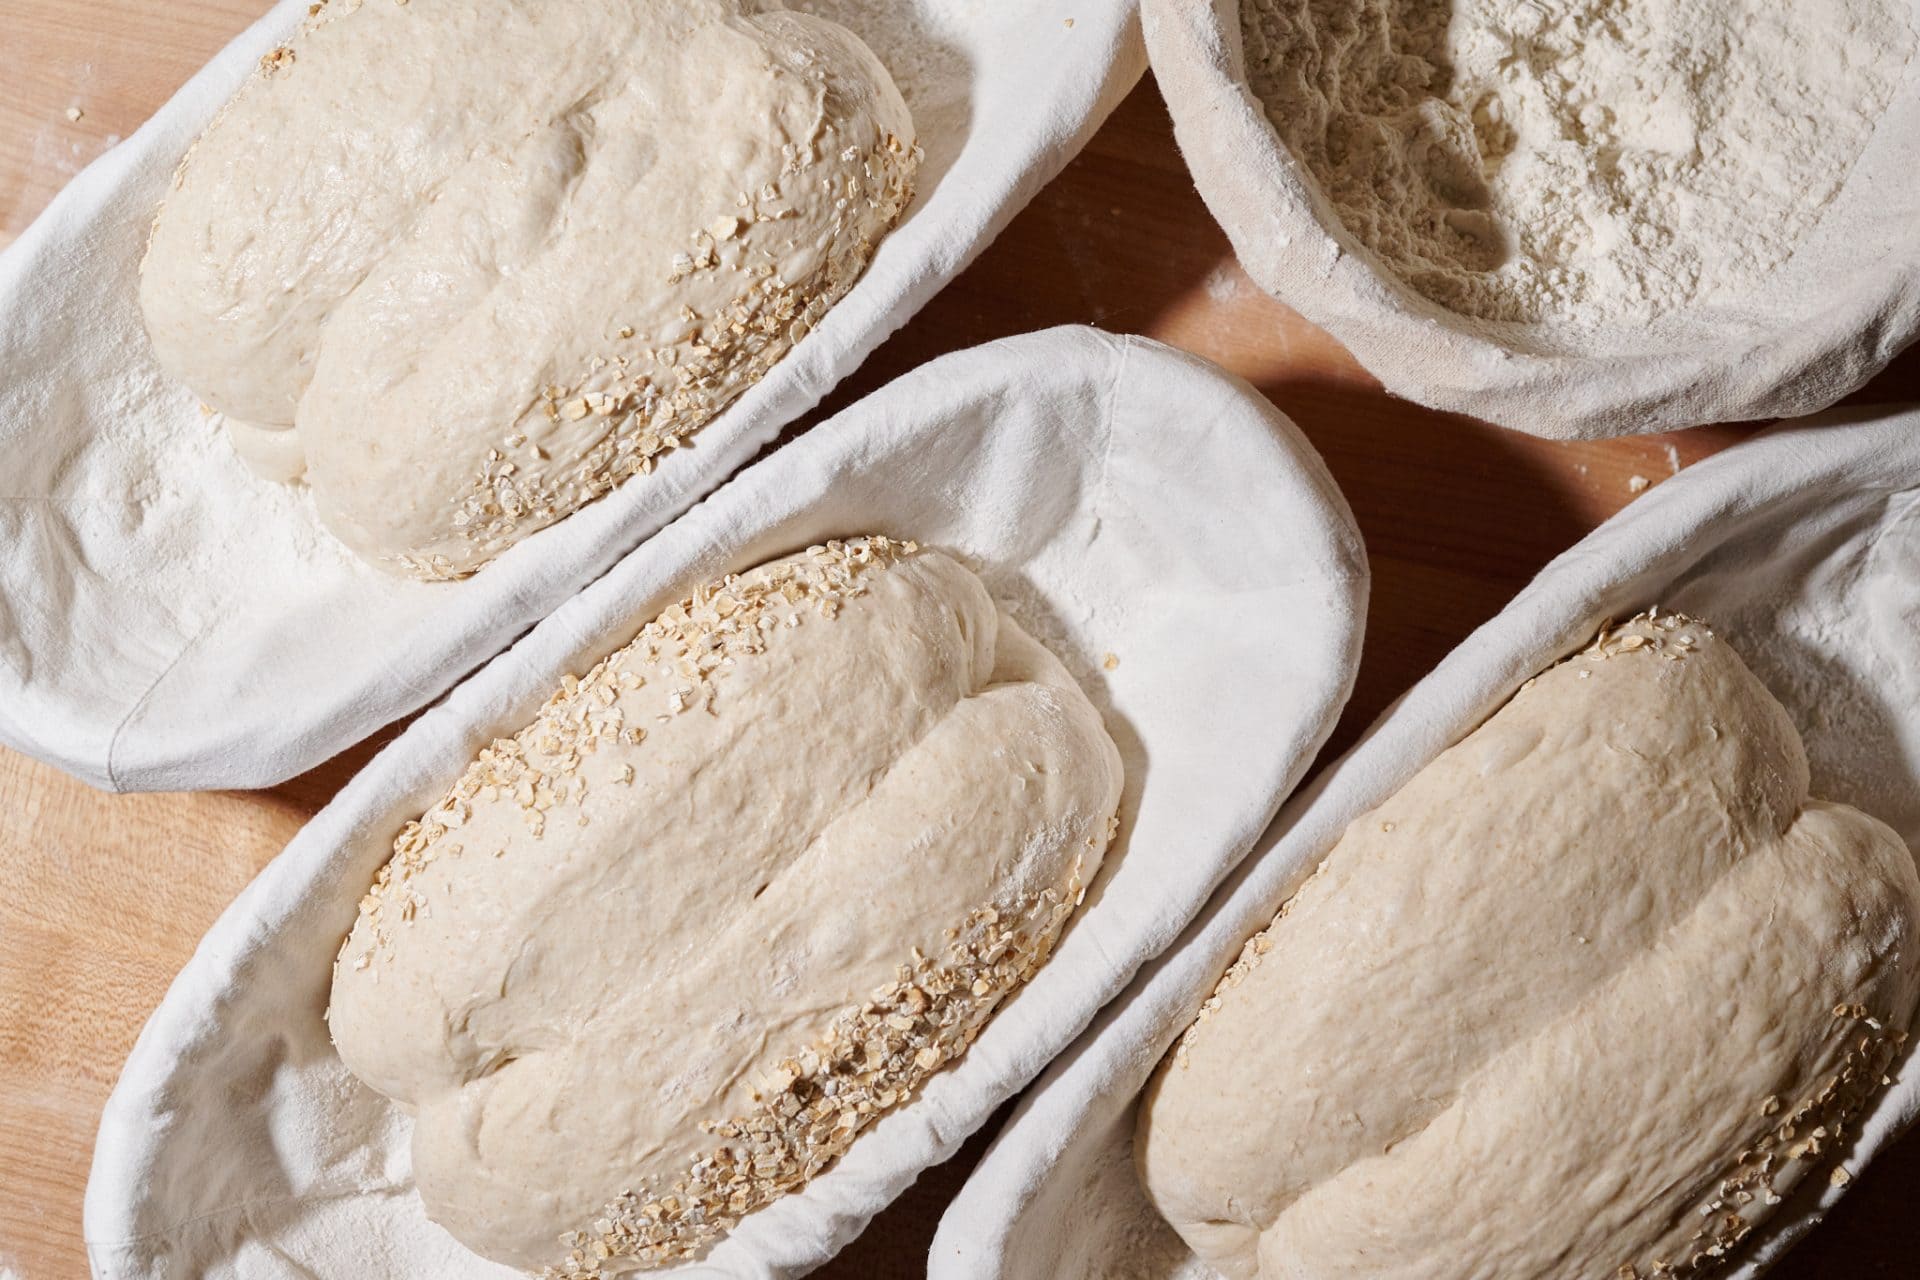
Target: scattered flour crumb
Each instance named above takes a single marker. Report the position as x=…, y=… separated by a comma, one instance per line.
x=1638, y=484
x=1225, y=282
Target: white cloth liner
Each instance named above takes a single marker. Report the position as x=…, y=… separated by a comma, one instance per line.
x=1814, y=330
x=170, y=621
x=1801, y=548
x=1119, y=497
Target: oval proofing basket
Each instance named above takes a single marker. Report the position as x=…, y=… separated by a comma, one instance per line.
x=1119, y=498
x=1802, y=548
x=170, y=621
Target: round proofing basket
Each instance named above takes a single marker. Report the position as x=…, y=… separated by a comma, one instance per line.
x=1811, y=332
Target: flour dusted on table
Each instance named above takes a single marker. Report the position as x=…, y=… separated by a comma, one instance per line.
x=1571, y=163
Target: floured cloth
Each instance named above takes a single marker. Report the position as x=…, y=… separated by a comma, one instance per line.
x=1152, y=521
x=1800, y=548
x=1813, y=330
x=170, y=621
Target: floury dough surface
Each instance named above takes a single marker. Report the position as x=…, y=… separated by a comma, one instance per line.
x=663, y=955
x=1587, y=997
x=1577, y=163
x=526, y=248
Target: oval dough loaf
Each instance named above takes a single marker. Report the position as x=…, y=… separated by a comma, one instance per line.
x=1593, y=991
x=469, y=264
x=662, y=955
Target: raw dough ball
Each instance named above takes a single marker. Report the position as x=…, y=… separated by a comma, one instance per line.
x=660, y=957
x=473, y=263
x=1584, y=998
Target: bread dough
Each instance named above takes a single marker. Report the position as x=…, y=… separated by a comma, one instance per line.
x=1583, y=999
x=705, y=907
x=476, y=262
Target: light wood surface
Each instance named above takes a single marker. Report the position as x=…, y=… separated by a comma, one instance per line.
x=103, y=898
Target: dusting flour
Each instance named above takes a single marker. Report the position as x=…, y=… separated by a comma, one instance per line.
x=1576, y=163
x=168, y=618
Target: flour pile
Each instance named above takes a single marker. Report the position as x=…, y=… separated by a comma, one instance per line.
x=1577, y=163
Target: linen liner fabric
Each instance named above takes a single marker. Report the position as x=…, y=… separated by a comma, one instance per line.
x=169, y=621
x=236, y=1144
x=1816, y=329
x=1801, y=548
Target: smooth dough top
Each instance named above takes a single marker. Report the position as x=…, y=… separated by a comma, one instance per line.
x=662, y=955
x=469, y=264
x=1585, y=998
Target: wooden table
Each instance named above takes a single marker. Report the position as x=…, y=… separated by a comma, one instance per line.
x=102, y=898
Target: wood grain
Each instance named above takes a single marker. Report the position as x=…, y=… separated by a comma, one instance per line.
x=103, y=898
